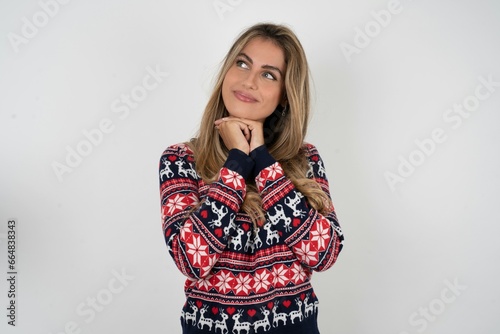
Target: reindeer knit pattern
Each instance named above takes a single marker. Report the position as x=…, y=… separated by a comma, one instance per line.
x=241, y=279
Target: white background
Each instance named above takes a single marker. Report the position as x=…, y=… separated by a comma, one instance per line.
x=402, y=245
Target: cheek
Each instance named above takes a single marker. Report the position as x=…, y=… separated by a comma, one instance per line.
x=228, y=83
x=230, y=77
x=274, y=96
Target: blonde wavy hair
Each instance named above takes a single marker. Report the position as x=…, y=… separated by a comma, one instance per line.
x=284, y=134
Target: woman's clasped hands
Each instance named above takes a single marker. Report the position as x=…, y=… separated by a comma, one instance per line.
x=240, y=133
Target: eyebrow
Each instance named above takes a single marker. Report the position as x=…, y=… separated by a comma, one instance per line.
x=267, y=67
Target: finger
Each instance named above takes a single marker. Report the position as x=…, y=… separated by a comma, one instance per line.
x=252, y=125
x=244, y=129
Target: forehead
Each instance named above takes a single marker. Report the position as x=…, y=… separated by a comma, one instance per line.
x=265, y=52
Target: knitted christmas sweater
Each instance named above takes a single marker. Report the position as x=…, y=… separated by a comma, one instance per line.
x=242, y=279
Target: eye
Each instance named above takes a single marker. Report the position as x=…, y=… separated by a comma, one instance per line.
x=241, y=63
x=269, y=75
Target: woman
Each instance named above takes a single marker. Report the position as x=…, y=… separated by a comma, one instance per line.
x=246, y=209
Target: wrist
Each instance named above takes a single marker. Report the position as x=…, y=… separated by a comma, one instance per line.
x=262, y=159
x=239, y=162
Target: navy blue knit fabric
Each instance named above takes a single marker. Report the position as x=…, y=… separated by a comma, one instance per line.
x=240, y=278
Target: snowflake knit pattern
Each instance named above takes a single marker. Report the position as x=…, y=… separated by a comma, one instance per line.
x=242, y=279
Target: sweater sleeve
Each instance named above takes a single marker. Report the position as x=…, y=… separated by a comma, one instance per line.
x=314, y=238
x=196, y=238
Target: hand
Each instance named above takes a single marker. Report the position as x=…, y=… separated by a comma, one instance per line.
x=233, y=129
x=234, y=133
x=256, y=132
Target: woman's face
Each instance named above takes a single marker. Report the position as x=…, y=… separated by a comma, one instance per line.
x=253, y=85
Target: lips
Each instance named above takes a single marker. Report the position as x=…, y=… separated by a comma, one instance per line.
x=244, y=97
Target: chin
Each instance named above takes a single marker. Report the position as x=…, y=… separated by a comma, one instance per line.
x=246, y=113
x=239, y=113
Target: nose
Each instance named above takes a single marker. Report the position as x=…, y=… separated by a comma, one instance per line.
x=250, y=81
